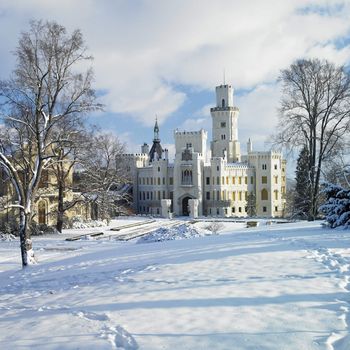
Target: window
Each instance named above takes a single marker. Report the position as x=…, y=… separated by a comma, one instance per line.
x=159, y=195
x=239, y=195
x=223, y=180
x=217, y=195
x=276, y=208
x=163, y=194
x=246, y=195
x=223, y=124
x=264, y=194
x=208, y=180
x=264, y=179
x=233, y=209
x=158, y=169
x=226, y=180
x=223, y=137
x=264, y=209
x=276, y=179
x=240, y=209
x=158, y=180
x=188, y=145
x=151, y=180
x=163, y=180
x=264, y=167
x=233, y=180
x=275, y=166
x=171, y=181
x=186, y=177
x=223, y=103
x=252, y=180
x=233, y=196
x=208, y=195
x=217, y=168
x=217, y=211
x=147, y=195
x=147, y=181
x=276, y=195
x=246, y=180
x=225, y=211
x=218, y=180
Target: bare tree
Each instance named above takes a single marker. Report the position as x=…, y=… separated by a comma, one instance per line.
x=103, y=174
x=68, y=152
x=315, y=110
x=45, y=89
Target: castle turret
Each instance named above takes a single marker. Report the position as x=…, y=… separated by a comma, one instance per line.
x=156, y=150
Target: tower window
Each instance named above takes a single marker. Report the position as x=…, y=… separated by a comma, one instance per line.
x=223, y=137
x=223, y=103
x=223, y=124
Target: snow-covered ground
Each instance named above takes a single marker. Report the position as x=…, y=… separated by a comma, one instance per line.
x=278, y=286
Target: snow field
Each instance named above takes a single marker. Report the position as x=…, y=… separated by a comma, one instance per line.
x=272, y=287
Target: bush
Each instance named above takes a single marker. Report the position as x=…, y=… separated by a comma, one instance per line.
x=337, y=205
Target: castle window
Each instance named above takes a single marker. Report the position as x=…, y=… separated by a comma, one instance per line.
x=264, y=179
x=223, y=137
x=233, y=196
x=264, y=167
x=246, y=180
x=217, y=168
x=226, y=180
x=276, y=195
x=276, y=208
x=163, y=194
x=276, y=179
x=225, y=211
x=158, y=180
x=240, y=209
x=223, y=124
x=163, y=180
x=171, y=181
x=264, y=195
x=208, y=180
x=233, y=180
x=239, y=195
x=217, y=211
x=208, y=195
x=252, y=180
x=217, y=195
x=188, y=145
x=186, y=177
x=240, y=180
x=275, y=166
x=218, y=180
x=223, y=103
x=233, y=209
x=158, y=169
x=264, y=209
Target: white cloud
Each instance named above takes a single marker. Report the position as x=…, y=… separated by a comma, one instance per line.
x=145, y=50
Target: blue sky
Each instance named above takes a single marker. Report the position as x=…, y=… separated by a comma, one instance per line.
x=165, y=57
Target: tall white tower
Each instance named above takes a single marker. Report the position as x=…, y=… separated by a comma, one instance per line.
x=225, y=133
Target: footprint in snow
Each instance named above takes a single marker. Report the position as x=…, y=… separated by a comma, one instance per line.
x=91, y=316
x=120, y=338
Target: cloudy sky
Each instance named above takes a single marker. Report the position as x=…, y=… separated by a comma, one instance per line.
x=165, y=57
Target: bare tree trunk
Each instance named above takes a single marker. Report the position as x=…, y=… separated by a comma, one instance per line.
x=25, y=240
x=60, y=208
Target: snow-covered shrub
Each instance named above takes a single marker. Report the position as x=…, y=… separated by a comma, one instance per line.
x=215, y=227
x=183, y=231
x=337, y=205
x=78, y=222
x=6, y=237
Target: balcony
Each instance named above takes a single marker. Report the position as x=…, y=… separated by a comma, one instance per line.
x=214, y=109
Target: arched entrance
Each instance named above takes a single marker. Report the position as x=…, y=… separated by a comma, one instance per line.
x=185, y=206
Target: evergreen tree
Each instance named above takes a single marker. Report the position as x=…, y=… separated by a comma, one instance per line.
x=303, y=185
x=337, y=206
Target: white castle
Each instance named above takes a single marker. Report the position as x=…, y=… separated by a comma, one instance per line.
x=227, y=185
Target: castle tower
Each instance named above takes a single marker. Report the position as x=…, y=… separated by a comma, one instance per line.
x=156, y=150
x=224, y=121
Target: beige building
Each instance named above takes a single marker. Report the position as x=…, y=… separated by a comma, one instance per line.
x=225, y=184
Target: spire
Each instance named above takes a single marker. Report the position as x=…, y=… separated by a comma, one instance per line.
x=156, y=150
x=156, y=130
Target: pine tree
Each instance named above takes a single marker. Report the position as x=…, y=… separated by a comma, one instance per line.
x=303, y=186
x=337, y=206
